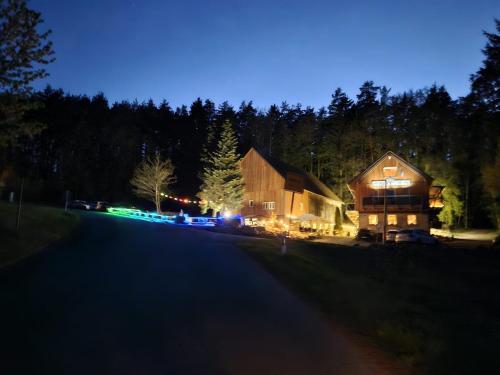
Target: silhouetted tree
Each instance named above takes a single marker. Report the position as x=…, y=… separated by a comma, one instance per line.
x=486, y=82
x=23, y=53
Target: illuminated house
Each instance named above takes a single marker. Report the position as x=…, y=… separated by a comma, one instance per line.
x=405, y=188
x=275, y=191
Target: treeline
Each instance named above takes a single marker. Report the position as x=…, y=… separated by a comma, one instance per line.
x=91, y=147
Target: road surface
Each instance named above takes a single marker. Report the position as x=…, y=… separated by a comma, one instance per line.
x=131, y=297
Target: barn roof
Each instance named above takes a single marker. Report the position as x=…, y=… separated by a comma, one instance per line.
x=311, y=183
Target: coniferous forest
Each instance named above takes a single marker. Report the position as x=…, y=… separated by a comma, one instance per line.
x=91, y=147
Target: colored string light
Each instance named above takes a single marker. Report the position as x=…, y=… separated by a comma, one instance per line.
x=182, y=200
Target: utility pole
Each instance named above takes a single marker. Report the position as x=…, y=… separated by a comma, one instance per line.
x=385, y=212
x=287, y=233
x=19, y=206
x=466, y=218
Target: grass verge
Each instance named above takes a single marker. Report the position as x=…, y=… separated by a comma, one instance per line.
x=436, y=309
x=40, y=225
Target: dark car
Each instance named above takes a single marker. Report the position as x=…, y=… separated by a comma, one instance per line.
x=391, y=235
x=79, y=205
x=99, y=206
x=415, y=236
x=365, y=235
x=102, y=206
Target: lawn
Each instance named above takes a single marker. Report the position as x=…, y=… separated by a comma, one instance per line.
x=436, y=309
x=40, y=225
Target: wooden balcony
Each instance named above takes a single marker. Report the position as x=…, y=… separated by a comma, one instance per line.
x=395, y=203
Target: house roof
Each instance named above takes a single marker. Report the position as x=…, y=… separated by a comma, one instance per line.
x=311, y=183
x=379, y=160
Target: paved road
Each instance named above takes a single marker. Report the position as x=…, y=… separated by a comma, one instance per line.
x=131, y=297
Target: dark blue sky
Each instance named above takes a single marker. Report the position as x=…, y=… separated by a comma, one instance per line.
x=265, y=51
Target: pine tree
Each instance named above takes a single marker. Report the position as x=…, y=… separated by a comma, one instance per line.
x=222, y=188
x=486, y=82
x=24, y=51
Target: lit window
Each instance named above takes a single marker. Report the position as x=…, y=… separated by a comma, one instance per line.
x=250, y=203
x=411, y=219
x=392, y=220
x=390, y=183
x=301, y=206
x=269, y=205
x=373, y=219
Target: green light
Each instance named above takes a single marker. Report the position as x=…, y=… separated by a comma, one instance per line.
x=133, y=213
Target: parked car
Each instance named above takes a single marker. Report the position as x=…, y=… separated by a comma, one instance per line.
x=365, y=235
x=79, y=205
x=102, y=206
x=415, y=236
x=98, y=206
x=391, y=235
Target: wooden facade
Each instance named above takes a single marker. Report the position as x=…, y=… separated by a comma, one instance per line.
x=403, y=187
x=267, y=196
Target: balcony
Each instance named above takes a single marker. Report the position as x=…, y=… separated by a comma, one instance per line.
x=396, y=203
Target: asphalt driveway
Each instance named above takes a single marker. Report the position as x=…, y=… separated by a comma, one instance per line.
x=131, y=297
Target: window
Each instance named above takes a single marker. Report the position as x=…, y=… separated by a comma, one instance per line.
x=250, y=203
x=390, y=183
x=373, y=219
x=390, y=171
x=392, y=220
x=268, y=205
x=411, y=219
x=301, y=206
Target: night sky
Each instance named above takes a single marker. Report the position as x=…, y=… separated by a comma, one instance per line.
x=265, y=51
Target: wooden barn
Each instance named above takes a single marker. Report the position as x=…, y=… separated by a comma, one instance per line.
x=406, y=191
x=277, y=192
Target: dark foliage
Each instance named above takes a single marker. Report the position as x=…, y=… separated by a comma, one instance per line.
x=91, y=147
